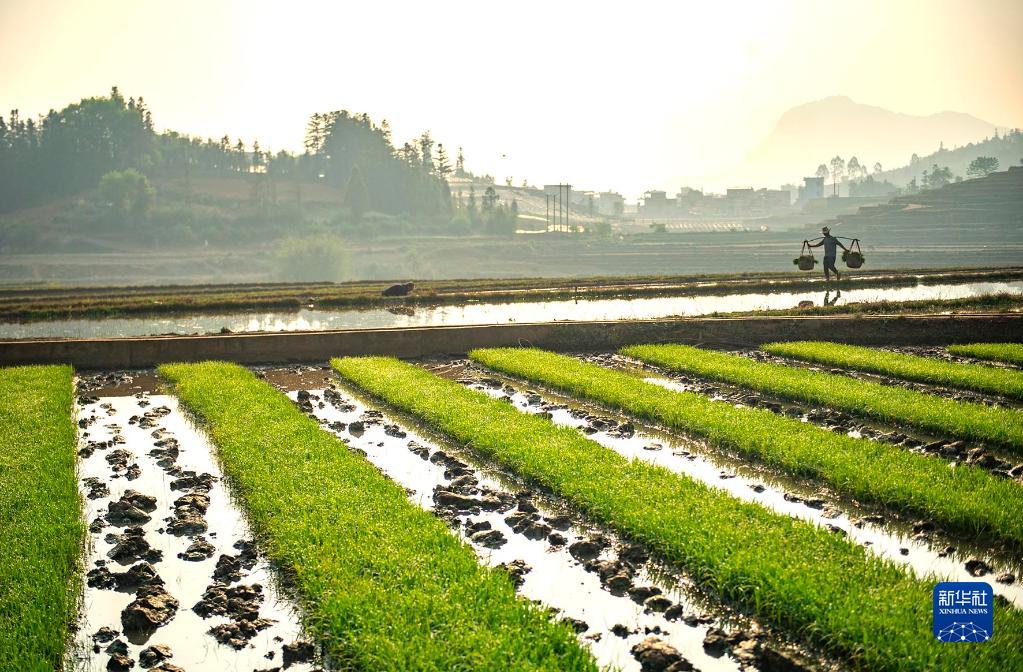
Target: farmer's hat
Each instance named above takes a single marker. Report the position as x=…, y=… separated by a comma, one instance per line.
x=826, y=230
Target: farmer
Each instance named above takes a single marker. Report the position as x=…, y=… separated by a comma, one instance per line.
x=830, y=244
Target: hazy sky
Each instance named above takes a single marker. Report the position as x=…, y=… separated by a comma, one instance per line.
x=629, y=95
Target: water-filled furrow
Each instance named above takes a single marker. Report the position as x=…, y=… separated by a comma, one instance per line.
x=949, y=449
x=172, y=574
x=916, y=545
x=612, y=593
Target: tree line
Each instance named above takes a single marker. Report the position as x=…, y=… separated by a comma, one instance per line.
x=68, y=151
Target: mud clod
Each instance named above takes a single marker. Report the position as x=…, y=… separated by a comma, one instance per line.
x=154, y=655
x=197, y=551
x=977, y=567
x=656, y=655
x=298, y=652
x=132, y=546
x=153, y=608
x=489, y=538
x=585, y=549
x=517, y=570
x=189, y=480
x=237, y=634
x=97, y=488
x=119, y=662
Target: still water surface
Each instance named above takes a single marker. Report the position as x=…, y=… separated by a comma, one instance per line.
x=487, y=313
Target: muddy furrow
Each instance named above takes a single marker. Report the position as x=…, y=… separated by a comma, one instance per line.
x=174, y=580
x=916, y=544
x=625, y=606
x=939, y=352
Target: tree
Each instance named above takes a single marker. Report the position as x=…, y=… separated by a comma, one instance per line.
x=822, y=171
x=489, y=198
x=837, y=171
x=938, y=177
x=128, y=193
x=460, y=164
x=314, y=134
x=982, y=166
x=854, y=168
x=356, y=195
x=877, y=167
x=441, y=166
x=426, y=150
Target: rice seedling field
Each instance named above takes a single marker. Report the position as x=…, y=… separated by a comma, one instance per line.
x=793, y=574
x=40, y=517
x=385, y=585
x=662, y=508
x=1002, y=427
x=967, y=498
x=989, y=379
x=1011, y=353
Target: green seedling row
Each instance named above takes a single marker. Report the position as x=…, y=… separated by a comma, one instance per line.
x=1001, y=427
x=383, y=583
x=41, y=527
x=815, y=584
x=988, y=379
x=965, y=498
x=1011, y=353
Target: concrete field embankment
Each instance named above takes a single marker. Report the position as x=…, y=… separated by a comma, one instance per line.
x=312, y=346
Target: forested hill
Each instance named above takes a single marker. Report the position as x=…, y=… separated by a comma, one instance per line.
x=1006, y=148
x=66, y=152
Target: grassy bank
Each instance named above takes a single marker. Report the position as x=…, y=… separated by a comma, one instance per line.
x=384, y=583
x=1011, y=353
x=946, y=417
x=988, y=379
x=40, y=517
x=817, y=585
x=50, y=303
x=968, y=499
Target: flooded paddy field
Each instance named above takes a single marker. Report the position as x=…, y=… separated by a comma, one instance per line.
x=173, y=577
x=907, y=540
x=483, y=312
x=609, y=589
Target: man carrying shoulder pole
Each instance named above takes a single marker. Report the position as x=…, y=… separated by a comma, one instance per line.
x=831, y=245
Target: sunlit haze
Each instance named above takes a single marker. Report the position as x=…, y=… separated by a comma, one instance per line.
x=606, y=95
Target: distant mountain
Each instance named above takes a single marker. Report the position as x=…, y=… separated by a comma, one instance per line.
x=811, y=134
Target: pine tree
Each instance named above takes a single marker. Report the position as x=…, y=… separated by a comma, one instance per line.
x=460, y=164
x=441, y=166
x=426, y=151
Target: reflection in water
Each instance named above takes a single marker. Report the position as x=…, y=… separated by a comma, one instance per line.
x=487, y=313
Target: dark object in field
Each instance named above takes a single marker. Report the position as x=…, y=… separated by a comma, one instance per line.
x=656, y=655
x=153, y=608
x=583, y=550
x=977, y=567
x=298, y=652
x=400, y=289
x=154, y=655
x=119, y=662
